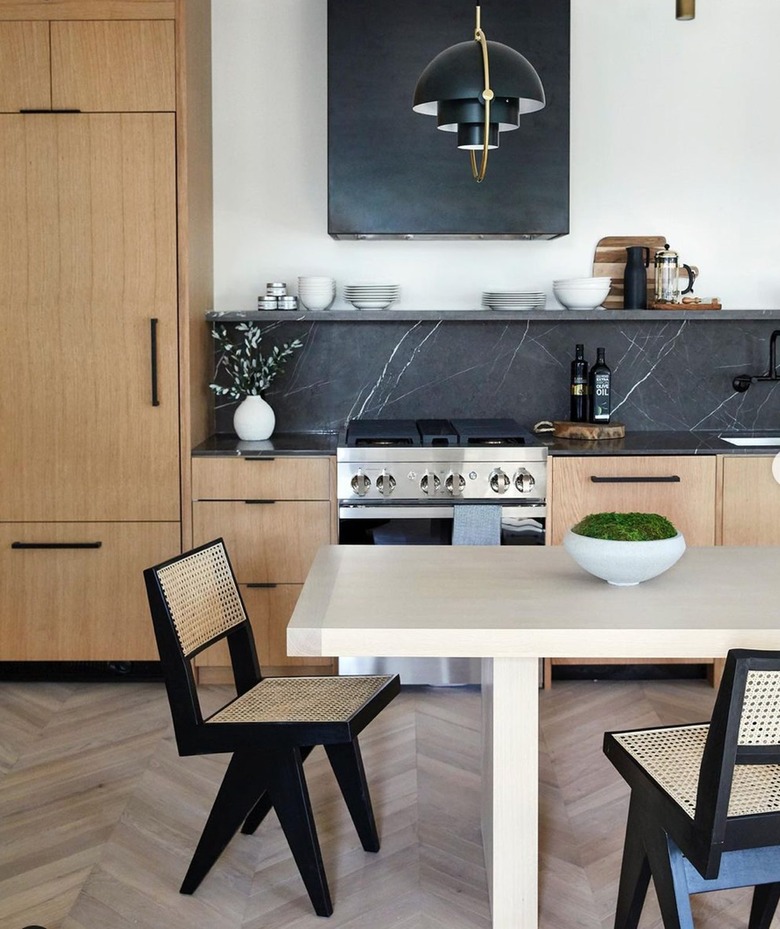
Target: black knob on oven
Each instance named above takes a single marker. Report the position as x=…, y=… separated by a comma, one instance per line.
x=455, y=483
x=360, y=484
x=524, y=481
x=499, y=481
x=429, y=483
x=385, y=484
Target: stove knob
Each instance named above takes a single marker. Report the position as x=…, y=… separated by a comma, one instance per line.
x=524, y=481
x=429, y=483
x=360, y=483
x=385, y=484
x=455, y=484
x=499, y=481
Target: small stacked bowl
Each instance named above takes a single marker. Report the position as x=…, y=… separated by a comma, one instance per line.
x=316, y=293
x=582, y=293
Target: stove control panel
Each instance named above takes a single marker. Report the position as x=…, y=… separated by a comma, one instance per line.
x=416, y=479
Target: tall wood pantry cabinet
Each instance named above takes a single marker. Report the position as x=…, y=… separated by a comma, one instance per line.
x=98, y=255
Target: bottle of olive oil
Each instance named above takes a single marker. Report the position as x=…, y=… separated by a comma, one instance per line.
x=600, y=389
x=579, y=386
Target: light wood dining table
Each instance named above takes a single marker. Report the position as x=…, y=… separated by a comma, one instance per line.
x=512, y=606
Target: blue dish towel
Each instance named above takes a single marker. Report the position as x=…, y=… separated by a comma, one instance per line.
x=476, y=524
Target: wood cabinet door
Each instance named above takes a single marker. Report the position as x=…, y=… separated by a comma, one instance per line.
x=751, y=501
x=682, y=488
x=79, y=603
x=87, y=263
x=286, y=478
x=268, y=542
x=113, y=66
x=25, y=81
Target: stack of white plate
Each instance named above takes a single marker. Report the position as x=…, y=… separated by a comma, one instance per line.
x=371, y=296
x=316, y=293
x=513, y=300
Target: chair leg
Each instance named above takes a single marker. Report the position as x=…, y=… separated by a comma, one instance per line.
x=290, y=798
x=765, y=900
x=634, y=875
x=668, y=871
x=236, y=796
x=264, y=806
x=347, y=764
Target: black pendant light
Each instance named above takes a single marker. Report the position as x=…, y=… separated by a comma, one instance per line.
x=478, y=89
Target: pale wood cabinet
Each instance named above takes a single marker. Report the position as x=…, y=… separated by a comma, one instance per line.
x=682, y=488
x=96, y=295
x=750, y=507
x=90, y=66
x=273, y=513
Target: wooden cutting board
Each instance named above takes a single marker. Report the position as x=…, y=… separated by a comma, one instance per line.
x=610, y=261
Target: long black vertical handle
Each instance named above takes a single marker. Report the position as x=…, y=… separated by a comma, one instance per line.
x=155, y=398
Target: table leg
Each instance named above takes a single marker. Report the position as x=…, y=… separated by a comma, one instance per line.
x=510, y=789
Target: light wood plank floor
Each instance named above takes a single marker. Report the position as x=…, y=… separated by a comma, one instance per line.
x=99, y=815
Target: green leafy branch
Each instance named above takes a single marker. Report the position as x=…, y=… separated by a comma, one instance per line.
x=248, y=370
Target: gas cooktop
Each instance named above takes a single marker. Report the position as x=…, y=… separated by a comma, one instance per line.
x=436, y=433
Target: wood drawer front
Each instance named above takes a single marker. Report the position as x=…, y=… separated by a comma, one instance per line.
x=751, y=501
x=261, y=478
x=269, y=610
x=104, y=66
x=24, y=67
x=87, y=9
x=267, y=542
x=682, y=488
x=80, y=604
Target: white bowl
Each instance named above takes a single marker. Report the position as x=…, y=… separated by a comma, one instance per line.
x=597, y=282
x=581, y=298
x=317, y=303
x=624, y=564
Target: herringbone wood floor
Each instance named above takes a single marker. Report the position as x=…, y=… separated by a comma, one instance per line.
x=99, y=815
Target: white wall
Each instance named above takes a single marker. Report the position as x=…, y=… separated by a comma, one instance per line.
x=675, y=131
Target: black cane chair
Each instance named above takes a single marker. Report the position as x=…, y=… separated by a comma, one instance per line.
x=269, y=727
x=704, y=812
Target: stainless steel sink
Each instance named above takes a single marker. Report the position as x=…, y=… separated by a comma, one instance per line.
x=757, y=441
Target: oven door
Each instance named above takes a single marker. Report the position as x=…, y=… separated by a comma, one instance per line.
x=397, y=524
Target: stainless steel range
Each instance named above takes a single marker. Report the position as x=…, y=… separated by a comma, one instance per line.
x=419, y=482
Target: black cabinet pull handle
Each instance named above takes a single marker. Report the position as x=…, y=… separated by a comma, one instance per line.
x=261, y=502
x=49, y=111
x=262, y=585
x=671, y=479
x=56, y=544
x=258, y=458
x=153, y=333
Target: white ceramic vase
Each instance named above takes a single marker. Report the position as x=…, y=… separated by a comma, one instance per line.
x=253, y=419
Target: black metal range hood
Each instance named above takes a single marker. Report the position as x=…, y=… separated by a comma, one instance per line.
x=391, y=174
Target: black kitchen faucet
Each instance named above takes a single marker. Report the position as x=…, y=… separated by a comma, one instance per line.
x=742, y=381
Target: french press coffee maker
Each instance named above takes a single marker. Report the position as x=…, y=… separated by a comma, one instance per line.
x=667, y=276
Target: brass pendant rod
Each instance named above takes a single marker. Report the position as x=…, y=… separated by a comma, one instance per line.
x=487, y=96
x=685, y=9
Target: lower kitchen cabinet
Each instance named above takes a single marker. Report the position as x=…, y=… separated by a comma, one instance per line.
x=75, y=591
x=750, y=509
x=273, y=513
x=682, y=488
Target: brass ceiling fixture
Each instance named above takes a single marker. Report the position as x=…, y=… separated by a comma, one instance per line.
x=456, y=88
x=686, y=9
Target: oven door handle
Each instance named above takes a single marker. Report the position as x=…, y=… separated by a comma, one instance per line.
x=444, y=511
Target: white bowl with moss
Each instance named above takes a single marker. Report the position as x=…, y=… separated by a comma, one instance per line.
x=624, y=549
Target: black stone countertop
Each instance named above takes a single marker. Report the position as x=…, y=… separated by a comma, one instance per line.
x=641, y=442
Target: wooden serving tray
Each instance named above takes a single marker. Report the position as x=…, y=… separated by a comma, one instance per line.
x=712, y=304
x=588, y=431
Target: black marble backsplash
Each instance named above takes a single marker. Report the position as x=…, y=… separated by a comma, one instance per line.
x=667, y=374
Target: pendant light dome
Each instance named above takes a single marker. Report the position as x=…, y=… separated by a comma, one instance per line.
x=478, y=89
